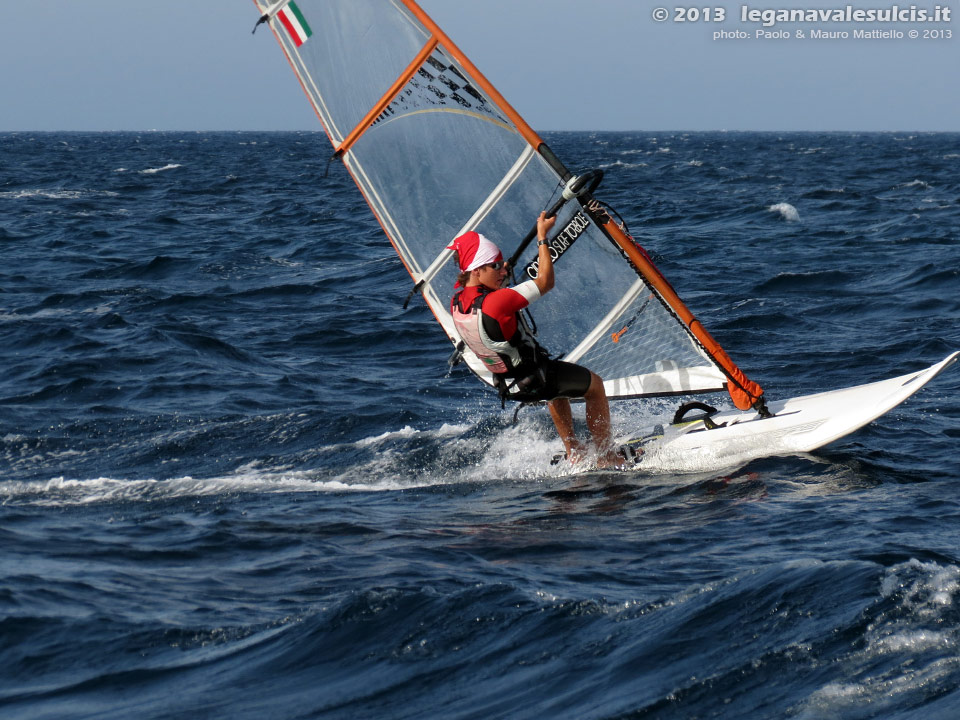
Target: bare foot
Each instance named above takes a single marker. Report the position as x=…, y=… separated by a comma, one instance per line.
x=576, y=452
x=611, y=459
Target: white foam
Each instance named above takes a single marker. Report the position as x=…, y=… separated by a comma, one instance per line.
x=914, y=183
x=62, y=491
x=881, y=692
x=386, y=469
x=913, y=629
x=620, y=163
x=405, y=432
x=914, y=641
x=444, y=431
x=152, y=171
x=45, y=313
x=787, y=211
x=394, y=460
x=55, y=194
x=928, y=589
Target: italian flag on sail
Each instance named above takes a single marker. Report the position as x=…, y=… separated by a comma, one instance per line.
x=295, y=23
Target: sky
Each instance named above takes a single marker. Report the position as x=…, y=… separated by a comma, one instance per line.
x=563, y=64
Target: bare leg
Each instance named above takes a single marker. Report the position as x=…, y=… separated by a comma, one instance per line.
x=598, y=422
x=563, y=420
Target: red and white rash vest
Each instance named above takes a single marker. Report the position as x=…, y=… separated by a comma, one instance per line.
x=489, y=323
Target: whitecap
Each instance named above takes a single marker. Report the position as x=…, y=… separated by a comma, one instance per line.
x=915, y=641
x=153, y=171
x=55, y=194
x=914, y=183
x=402, y=459
x=63, y=491
x=444, y=431
x=404, y=432
x=620, y=163
x=787, y=211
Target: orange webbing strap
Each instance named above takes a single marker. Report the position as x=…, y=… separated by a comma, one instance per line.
x=744, y=392
x=388, y=96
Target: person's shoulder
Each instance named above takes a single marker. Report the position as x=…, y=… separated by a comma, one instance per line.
x=512, y=299
x=528, y=289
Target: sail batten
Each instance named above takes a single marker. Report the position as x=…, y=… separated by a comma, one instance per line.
x=388, y=96
x=525, y=130
x=478, y=216
x=437, y=151
x=604, y=326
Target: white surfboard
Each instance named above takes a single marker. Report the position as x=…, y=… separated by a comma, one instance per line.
x=799, y=425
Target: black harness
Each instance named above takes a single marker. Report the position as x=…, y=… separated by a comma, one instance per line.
x=525, y=381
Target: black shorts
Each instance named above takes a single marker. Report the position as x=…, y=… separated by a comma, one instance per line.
x=553, y=379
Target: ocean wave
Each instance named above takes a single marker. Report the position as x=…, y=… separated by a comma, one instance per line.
x=832, y=280
x=213, y=399
x=910, y=644
x=824, y=193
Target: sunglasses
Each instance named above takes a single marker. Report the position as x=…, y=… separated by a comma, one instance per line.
x=496, y=265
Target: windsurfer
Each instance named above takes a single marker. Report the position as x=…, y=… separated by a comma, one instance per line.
x=488, y=319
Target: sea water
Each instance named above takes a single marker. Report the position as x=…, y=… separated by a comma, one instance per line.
x=239, y=479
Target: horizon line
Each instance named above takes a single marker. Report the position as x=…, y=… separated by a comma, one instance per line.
x=636, y=130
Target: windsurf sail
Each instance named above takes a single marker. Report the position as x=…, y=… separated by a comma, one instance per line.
x=437, y=151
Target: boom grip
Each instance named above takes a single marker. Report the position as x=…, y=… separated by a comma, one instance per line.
x=575, y=187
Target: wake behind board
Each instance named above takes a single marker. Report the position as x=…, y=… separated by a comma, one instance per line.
x=799, y=425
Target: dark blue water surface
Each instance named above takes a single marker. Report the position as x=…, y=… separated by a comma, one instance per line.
x=238, y=480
